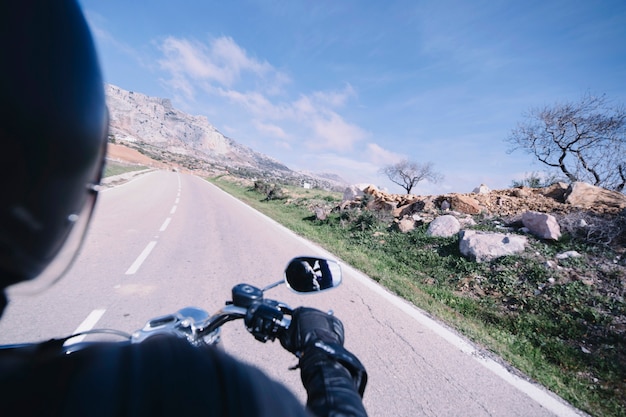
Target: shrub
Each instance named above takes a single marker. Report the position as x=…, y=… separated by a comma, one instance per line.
x=275, y=193
x=537, y=180
x=262, y=187
x=270, y=191
x=595, y=229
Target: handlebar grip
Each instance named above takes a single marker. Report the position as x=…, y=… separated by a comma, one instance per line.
x=264, y=321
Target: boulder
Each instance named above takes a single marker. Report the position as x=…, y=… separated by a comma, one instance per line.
x=485, y=246
x=408, y=209
x=542, y=225
x=371, y=190
x=444, y=226
x=381, y=205
x=464, y=204
x=482, y=189
x=429, y=204
x=321, y=213
x=521, y=192
x=585, y=195
x=568, y=254
x=406, y=224
x=555, y=191
x=354, y=191
x=467, y=221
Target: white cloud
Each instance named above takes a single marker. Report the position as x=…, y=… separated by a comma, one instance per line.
x=271, y=130
x=351, y=169
x=191, y=59
x=334, y=98
x=334, y=133
x=380, y=156
x=220, y=61
x=320, y=126
x=223, y=69
x=253, y=101
x=283, y=144
x=304, y=107
x=232, y=56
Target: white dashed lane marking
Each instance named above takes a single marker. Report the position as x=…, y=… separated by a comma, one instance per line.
x=141, y=258
x=86, y=325
x=146, y=252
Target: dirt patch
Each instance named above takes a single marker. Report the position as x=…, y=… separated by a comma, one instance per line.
x=125, y=154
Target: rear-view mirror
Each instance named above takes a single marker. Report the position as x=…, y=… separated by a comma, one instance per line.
x=309, y=274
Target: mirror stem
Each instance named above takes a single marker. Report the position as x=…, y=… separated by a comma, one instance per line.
x=269, y=287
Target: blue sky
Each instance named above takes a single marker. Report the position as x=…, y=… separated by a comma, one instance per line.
x=348, y=86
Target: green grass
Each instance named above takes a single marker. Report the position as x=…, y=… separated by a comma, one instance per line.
x=115, y=168
x=558, y=330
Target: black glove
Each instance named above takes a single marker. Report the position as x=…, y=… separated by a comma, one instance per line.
x=317, y=339
x=308, y=326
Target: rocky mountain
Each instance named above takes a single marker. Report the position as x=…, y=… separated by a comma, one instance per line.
x=154, y=127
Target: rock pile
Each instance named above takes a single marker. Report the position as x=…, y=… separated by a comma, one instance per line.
x=559, y=197
x=531, y=209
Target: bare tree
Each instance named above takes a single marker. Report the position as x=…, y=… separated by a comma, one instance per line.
x=585, y=140
x=407, y=174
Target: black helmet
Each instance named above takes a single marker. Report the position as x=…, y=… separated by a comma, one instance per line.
x=53, y=132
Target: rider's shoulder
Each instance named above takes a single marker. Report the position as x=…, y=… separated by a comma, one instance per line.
x=163, y=375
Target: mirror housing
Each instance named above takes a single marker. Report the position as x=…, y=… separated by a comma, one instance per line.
x=309, y=274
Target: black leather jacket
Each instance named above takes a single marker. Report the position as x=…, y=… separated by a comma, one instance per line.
x=164, y=377
x=334, y=380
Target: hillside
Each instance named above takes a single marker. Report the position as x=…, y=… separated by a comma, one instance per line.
x=152, y=126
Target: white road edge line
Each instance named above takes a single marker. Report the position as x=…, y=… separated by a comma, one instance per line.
x=173, y=210
x=141, y=258
x=87, y=324
x=538, y=393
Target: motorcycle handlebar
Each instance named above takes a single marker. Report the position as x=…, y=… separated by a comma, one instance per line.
x=265, y=319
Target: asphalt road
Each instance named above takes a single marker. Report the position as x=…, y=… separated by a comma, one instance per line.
x=166, y=240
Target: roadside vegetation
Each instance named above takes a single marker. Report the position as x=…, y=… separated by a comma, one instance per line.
x=116, y=168
x=564, y=325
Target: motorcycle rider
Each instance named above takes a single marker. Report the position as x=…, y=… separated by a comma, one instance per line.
x=53, y=133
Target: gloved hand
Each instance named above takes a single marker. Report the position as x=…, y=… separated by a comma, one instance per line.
x=262, y=321
x=334, y=378
x=309, y=325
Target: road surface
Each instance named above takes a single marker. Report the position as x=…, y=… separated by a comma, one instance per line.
x=167, y=240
